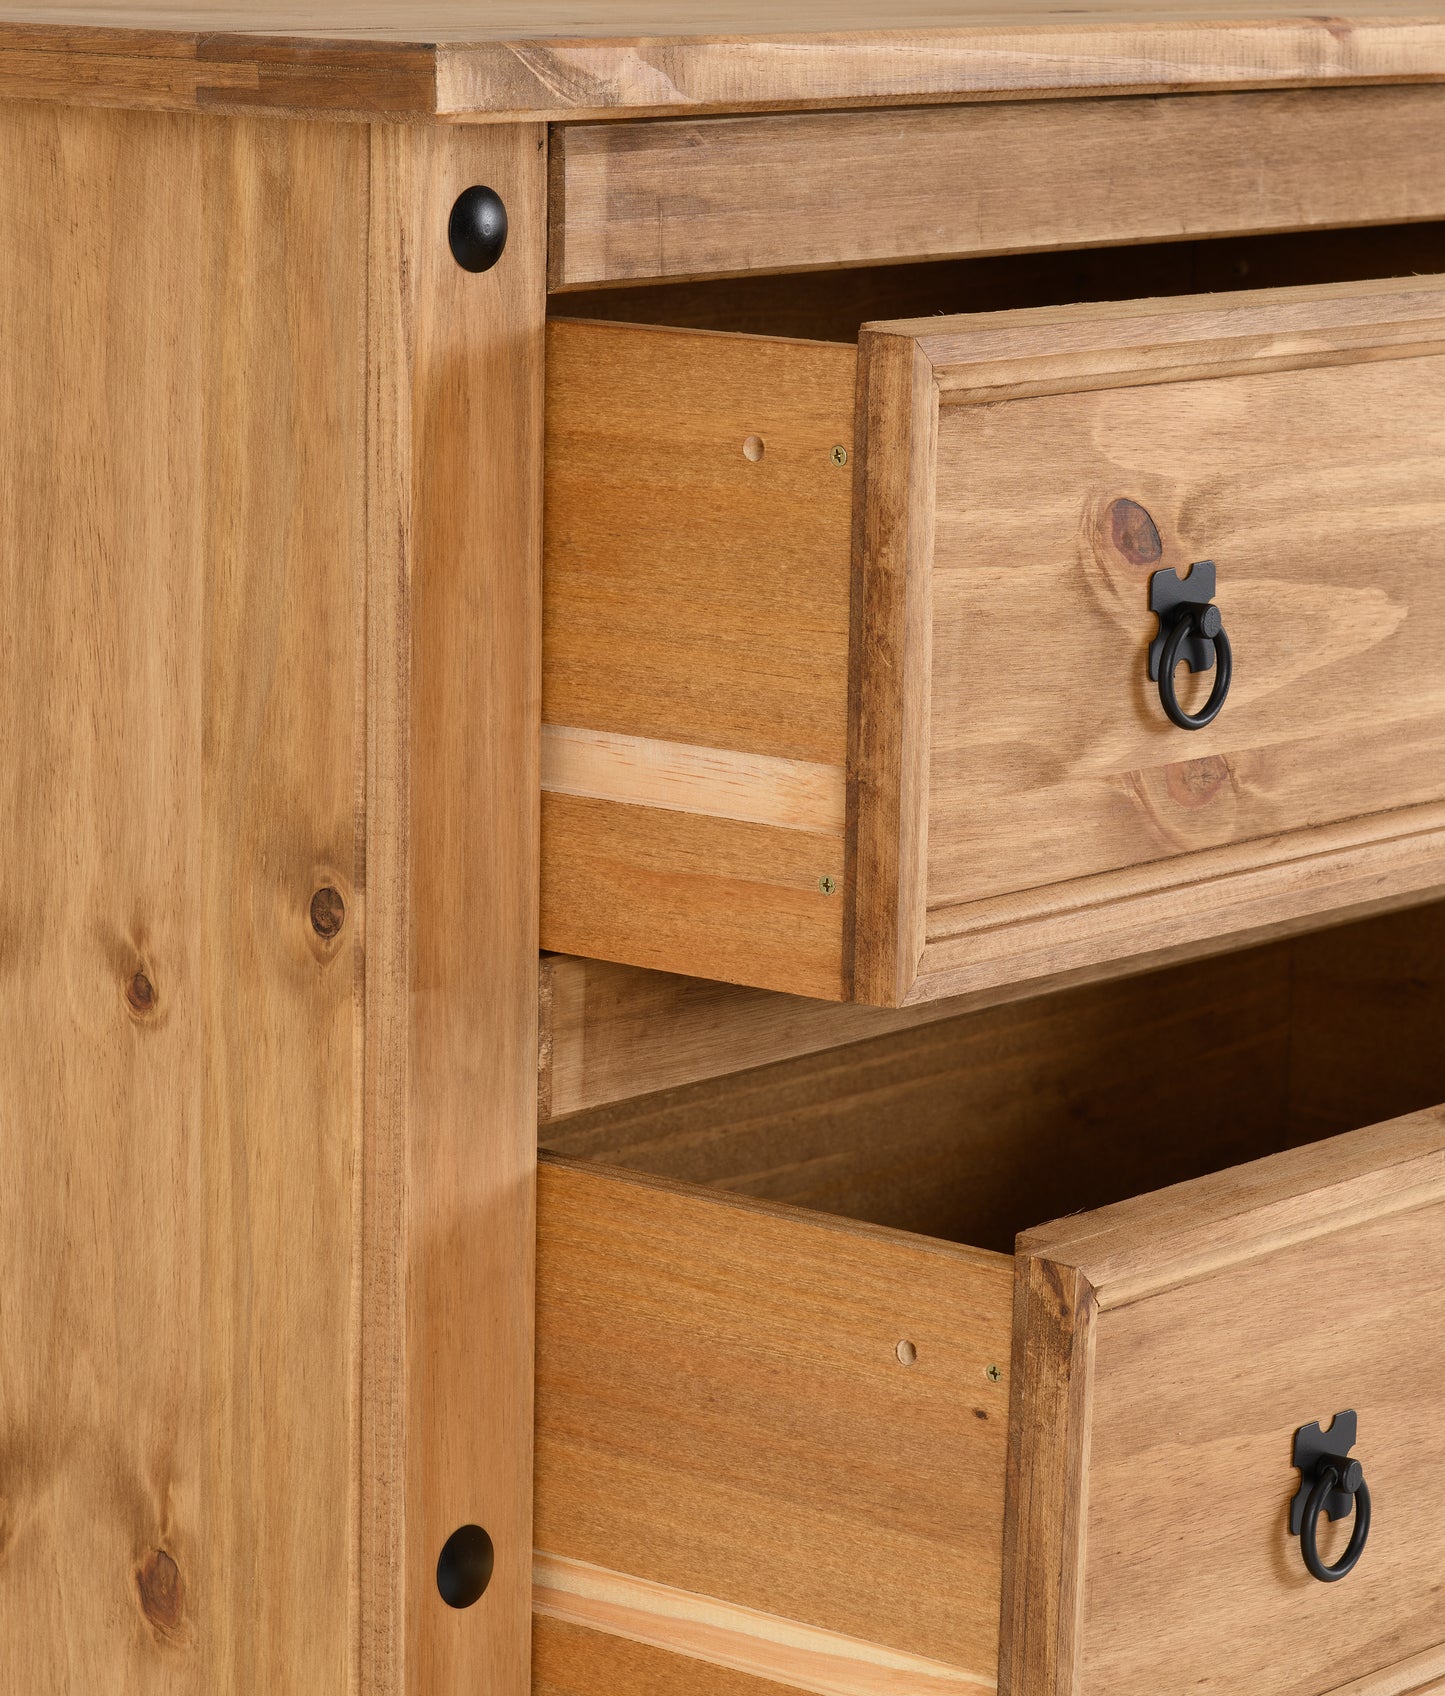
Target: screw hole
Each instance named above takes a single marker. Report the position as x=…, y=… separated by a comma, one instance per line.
x=464, y=1567
x=906, y=1352
x=753, y=448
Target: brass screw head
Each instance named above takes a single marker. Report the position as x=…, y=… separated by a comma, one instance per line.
x=839, y=455
x=994, y=1374
x=827, y=884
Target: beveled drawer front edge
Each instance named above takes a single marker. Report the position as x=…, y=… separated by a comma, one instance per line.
x=1421, y=1675
x=707, y=1629
x=1012, y=939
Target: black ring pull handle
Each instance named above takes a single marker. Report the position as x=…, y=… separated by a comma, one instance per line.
x=1191, y=630
x=1327, y=1480
x=1333, y=1483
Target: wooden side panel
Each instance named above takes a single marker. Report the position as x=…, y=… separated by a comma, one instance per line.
x=743, y=1429
x=731, y=195
x=181, y=566
x=1368, y=1023
x=695, y=647
x=455, y=568
x=1209, y=1346
x=694, y=594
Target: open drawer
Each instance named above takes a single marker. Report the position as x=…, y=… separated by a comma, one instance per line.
x=846, y=678
x=803, y=1445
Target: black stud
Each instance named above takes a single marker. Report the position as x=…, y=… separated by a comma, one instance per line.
x=464, y=1568
x=478, y=229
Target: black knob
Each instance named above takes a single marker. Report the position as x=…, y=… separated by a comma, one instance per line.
x=477, y=230
x=464, y=1568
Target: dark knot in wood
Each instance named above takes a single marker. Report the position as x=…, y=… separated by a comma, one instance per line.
x=328, y=912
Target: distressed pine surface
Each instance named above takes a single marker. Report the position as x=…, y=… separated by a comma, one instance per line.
x=267, y=685
x=643, y=57
x=181, y=569
x=780, y=193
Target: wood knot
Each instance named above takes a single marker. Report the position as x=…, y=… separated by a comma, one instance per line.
x=1134, y=533
x=1195, y=783
x=162, y=1593
x=328, y=912
x=140, y=993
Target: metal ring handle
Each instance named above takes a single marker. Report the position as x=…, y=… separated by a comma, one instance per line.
x=1190, y=620
x=1329, y=1479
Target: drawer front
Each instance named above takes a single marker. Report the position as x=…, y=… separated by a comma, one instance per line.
x=1175, y=1345
x=1023, y=797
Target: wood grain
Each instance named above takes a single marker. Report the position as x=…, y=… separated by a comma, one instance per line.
x=682, y=777
x=712, y=1373
x=522, y=61
x=1368, y=1009
x=721, y=1634
x=733, y=900
x=456, y=638
x=889, y=674
x=1167, y=1296
x=723, y=196
x=1156, y=390
x=975, y=1127
x=966, y=1129
x=730, y=603
x=1365, y=1004
x=574, y=1660
x=181, y=573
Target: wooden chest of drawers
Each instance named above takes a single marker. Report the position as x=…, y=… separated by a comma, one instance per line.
x=611, y=578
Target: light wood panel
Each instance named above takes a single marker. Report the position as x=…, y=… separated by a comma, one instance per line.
x=732, y=195
x=181, y=571
x=244, y=646
x=722, y=1410
x=716, y=1633
x=729, y=604
x=654, y=56
x=1175, y=1343
x=456, y=554
x=695, y=793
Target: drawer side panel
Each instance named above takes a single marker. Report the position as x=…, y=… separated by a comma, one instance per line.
x=722, y=1410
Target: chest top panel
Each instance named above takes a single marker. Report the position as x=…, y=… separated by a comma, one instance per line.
x=566, y=59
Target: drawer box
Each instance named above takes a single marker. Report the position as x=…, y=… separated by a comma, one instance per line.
x=849, y=1443
x=845, y=679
